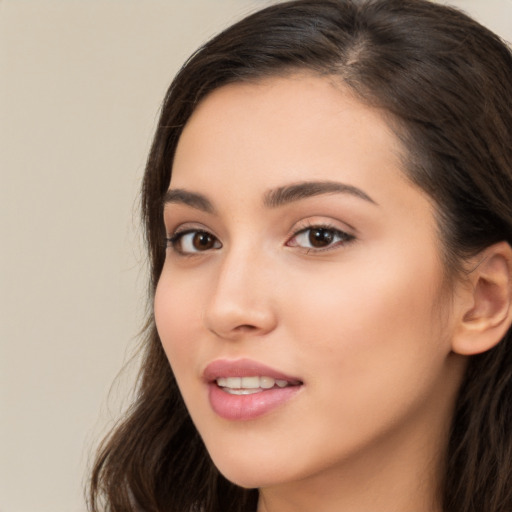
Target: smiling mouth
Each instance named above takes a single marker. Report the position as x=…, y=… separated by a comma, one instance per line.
x=244, y=390
x=252, y=384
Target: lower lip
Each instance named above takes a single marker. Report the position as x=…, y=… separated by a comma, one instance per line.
x=248, y=407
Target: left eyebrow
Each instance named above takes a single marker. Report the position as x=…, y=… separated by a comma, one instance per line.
x=192, y=199
x=297, y=191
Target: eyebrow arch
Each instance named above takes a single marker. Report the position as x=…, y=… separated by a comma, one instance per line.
x=297, y=191
x=193, y=199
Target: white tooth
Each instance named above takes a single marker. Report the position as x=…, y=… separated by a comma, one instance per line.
x=242, y=391
x=233, y=382
x=267, y=382
x=250, y=382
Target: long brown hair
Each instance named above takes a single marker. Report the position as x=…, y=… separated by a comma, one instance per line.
x=446, y=84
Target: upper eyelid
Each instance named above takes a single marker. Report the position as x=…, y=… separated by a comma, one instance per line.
x=322, y=226
x=327, y=223
x=183, y=227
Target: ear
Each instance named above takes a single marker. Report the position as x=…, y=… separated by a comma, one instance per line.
x=485, y=301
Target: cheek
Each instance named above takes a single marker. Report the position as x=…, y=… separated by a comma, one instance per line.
x=372, y=330
x=176, y=318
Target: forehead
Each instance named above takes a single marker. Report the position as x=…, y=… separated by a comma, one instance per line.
x=299, y=125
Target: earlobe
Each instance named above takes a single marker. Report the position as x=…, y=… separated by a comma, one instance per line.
x=487, y=303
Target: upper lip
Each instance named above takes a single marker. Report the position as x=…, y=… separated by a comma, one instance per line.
x=243, y=368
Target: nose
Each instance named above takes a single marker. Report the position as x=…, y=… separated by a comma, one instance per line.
x=242, y=303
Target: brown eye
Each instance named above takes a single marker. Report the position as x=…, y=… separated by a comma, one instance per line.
x=320, y=237
x=190, y=242
x=203, y=241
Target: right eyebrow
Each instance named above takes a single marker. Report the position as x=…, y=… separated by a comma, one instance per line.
x=297, y=191
x=193, y=199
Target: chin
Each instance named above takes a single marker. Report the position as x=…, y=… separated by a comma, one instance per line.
x=249, y=479
x=265, y=467
x=251, y=474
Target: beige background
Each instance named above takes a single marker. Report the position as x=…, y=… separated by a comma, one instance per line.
x=80, y=87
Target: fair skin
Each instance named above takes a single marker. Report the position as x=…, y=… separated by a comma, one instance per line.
x=341, y=286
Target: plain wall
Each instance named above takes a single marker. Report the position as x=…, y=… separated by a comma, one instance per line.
x=80, y=87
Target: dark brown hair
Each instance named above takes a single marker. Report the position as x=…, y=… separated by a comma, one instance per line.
x=446, y=84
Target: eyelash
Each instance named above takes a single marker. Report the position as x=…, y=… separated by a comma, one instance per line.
x=175, y=241
x=343, y=237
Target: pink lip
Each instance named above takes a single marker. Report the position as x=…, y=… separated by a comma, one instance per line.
x=243, y=368
x=246, y=407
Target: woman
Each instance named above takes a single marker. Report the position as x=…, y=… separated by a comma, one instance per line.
x=328, y=216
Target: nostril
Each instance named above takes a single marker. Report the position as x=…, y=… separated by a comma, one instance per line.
x=245, y=328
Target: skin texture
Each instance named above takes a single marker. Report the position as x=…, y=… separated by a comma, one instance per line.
x=367, y=323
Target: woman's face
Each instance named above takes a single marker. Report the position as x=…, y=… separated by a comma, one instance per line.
x=302, y=304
